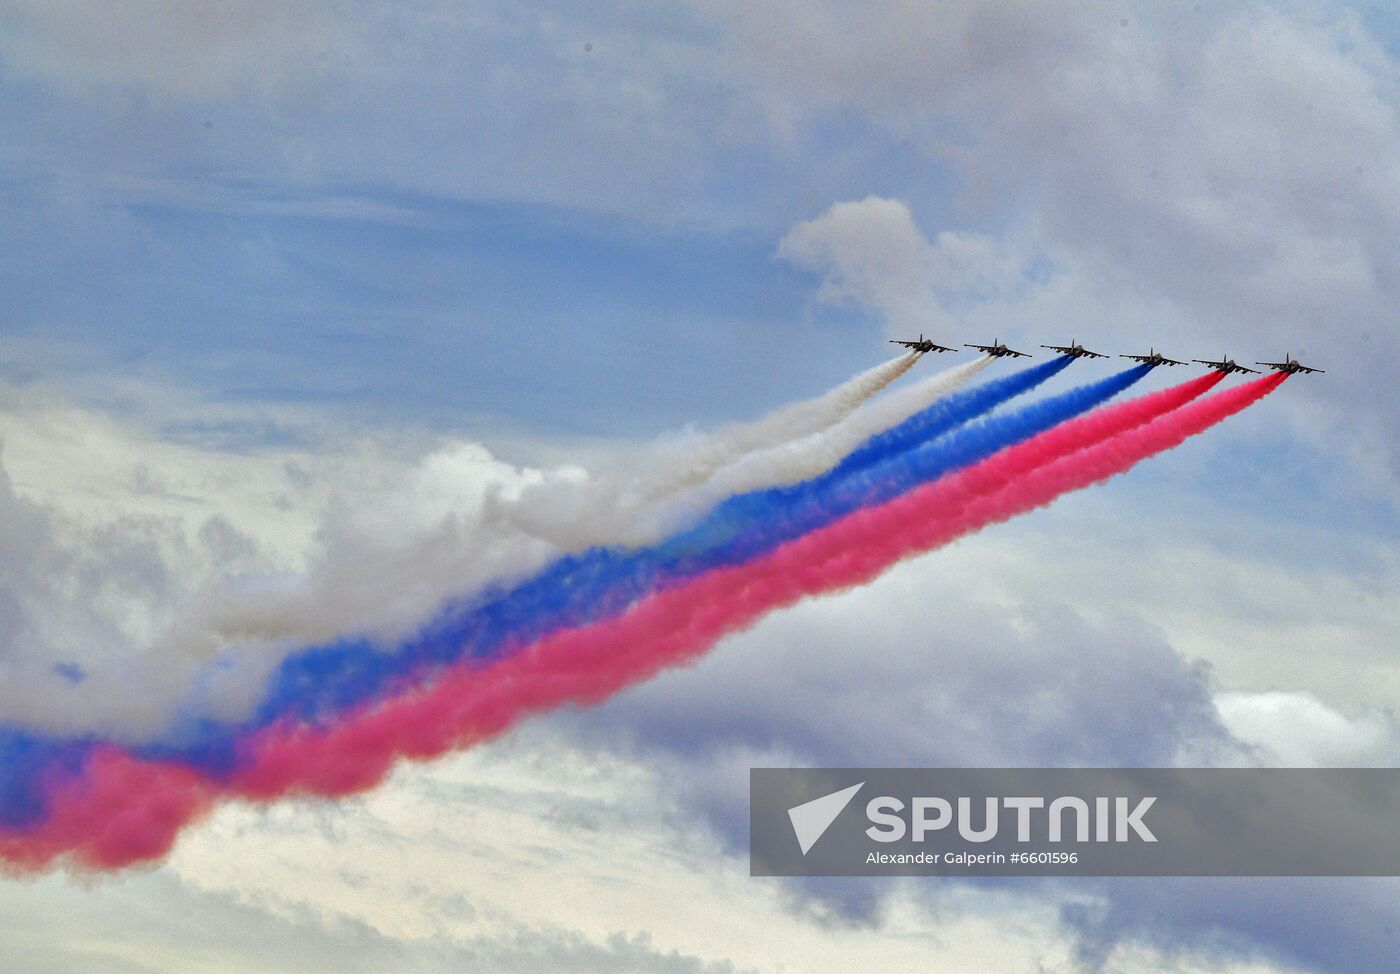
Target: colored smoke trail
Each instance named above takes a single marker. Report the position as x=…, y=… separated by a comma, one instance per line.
x=583, y=666
x=121, y=809
x=324, y=682
x=580, y=589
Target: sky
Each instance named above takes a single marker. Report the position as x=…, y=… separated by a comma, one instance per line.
x=290, y=287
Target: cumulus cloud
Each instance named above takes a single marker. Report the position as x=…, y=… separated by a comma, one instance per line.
x=148, y=559
x=79, y=601
x=98, y=609
x=871, y=252
x=391, y=548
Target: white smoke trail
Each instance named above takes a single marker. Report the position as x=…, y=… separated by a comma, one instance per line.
x=574, y=515
x=389, y=547
x=728, y=443
x=800, y=459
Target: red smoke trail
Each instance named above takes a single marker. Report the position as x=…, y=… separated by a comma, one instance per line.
x=122, y=810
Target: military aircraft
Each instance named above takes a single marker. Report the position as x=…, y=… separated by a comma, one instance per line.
x=922, y=345
x=1074, y=350
x=1289, y=365
x=1226, y=365
x=1153, y=358
x=997, y=350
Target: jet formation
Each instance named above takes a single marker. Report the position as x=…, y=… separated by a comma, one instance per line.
x=1154, y=358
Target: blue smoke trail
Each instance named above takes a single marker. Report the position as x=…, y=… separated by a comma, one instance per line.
x=943, y=415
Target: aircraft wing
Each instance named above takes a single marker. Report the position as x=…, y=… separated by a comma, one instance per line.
x=1012, y=351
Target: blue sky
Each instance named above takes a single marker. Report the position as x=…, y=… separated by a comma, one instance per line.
x=452, y=313
x=286, y=284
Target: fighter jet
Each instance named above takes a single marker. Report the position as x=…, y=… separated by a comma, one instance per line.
x=1226, y=365
x=922, y=345
x=997, y=350
x=1153, y=358
x=1289, y=365
x=1074, y=350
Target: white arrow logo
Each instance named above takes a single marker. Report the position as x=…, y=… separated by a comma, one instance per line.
x=810, y=820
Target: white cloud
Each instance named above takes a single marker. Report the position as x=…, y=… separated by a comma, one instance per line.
x=130, y=560
x=1297, y=730
x=871, y=252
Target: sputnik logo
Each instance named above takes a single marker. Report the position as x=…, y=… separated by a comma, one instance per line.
x=810, y=820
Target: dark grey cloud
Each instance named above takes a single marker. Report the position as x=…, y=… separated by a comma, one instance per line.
x=1322, y=925
x=916, y=671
